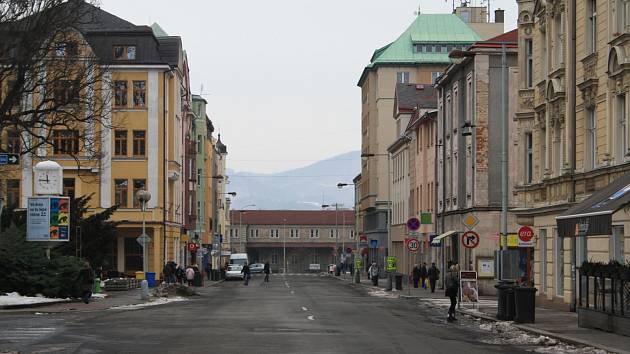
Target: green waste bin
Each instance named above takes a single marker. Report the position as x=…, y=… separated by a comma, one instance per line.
x=96, y=289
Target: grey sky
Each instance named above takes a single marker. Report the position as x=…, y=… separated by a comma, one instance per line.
x=280, y=75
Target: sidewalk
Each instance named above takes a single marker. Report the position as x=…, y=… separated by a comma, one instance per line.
x=560, y=325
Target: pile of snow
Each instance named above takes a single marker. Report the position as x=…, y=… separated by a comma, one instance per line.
x=382, y=294
x=569, y=349
x=11, y=299
x=158, y=301
x=99, y=296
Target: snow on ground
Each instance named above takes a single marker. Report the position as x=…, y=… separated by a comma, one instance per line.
x=158, y=301
x=99, y=296
x=383, y=294
x=11, y=299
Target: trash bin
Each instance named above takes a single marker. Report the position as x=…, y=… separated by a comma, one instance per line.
x=502, y=293
x=151, y=279
x=198, y=280
x=139, y=275
x=510, y=307
x=399, y=279
x=525, y=301
x=96, y=288
x=337, y=271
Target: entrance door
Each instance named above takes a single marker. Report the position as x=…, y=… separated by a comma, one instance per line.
x=559, y=263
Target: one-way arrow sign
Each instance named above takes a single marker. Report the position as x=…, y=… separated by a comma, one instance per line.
x=9, y=159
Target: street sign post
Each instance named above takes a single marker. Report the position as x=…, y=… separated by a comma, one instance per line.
x=9, y=159
x=413, y=224
x=142, y=239
x=413, y=245
x=470, y=221
x=470, y=239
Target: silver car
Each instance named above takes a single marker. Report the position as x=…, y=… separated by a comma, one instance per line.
x=257, y=268
x=234, y=272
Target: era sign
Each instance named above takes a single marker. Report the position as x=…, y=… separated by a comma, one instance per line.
x=525, y=237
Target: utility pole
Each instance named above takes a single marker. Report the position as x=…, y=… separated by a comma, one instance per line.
x=504, y=159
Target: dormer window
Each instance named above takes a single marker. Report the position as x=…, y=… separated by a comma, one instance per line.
x=66, y=49
x=125, y=52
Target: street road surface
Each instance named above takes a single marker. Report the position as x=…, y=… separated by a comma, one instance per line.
x=291, y=314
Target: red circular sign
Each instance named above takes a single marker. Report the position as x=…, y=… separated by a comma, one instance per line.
x=413, y=224
x=192, y=247
x=413, y=245
x=525, y=233
x=470, y=239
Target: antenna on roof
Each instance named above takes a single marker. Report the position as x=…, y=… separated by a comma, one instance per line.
x=201, y=90
x=417, y=12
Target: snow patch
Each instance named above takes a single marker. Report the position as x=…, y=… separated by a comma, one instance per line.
x=158, y=301
x=382, y=294
x=14, y=298
x=99, y=296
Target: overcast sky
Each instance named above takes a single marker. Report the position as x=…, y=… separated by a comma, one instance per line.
x=280, y=75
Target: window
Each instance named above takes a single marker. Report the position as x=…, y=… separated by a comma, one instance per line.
x=617, y=244
x=253, y=233
x=138, y=185
x=592, y=26
x=438, y=49
x=13, y=193
x=14, y=143
x=622, y=16
x=315, y=258
x=139, y=93
x=314, y=233
x=65, y=142
x=273, y=233
x=559, y=263
x=235, y=233
x=591, y=139
x=139, y=143
x=429, y=48
x=120, y=93
x=543, y=58
x=334, y=234
x=529, y=48
x=529, y=158
x=559, y=40
x=295, y=233
x=543, y=152
x=622, y=144
x=133, y=254
x=68, y=187
x=66, y=49
x=65, y=92
x=120, y=143
x=351, y=234
x=402, y=77
x=274, y=258
x=124, y=52
x=543, y=260
x=434, y=77
x=120, y=194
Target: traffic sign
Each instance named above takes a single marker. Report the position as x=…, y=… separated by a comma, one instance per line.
x=143, y=238
x=413, y=245
x=9, y=159
x=391, y=264
x=192, y=247
x=415, y=234
x=470, y=221
x=413, y=224
x=525, y=237
x=349, y=250
x=470, y=239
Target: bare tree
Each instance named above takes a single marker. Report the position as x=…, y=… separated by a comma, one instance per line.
x=53, y=88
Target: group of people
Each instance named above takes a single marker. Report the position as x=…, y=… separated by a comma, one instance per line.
x=174, y=273
x=247, y=273
x=420, y=275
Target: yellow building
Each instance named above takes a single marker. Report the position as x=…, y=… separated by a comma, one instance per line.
x=136, y=144
x=573, y=137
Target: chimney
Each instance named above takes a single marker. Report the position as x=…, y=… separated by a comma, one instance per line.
x=499, y=16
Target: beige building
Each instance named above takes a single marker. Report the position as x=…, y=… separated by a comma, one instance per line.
x=307, y=240
x=573, y=136
x=419, y=55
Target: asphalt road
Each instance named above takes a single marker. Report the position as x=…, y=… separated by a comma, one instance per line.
x=292, y=314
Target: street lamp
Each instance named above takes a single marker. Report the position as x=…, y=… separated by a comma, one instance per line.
x=284, y=246
x=337, y=253
x=357, y=270
x=240, y=225
x=365, y=156
x=143, y=197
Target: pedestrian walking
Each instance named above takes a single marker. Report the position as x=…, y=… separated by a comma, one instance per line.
x=434, y=275
x=180, y=273
x=416, y=275
x=208, y=270
x=246, y=274
x=452, y=288
x=423, y=275
x=266, y=270
x=373, y=271
x=86, y=282
x=190, y=276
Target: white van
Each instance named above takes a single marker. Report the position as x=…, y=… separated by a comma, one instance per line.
x=239, y=258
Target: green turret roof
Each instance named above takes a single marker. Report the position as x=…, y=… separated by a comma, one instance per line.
x=425, y=29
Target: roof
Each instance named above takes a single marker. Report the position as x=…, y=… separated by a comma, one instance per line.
x=596, y=211
x=410, y=97
x=510, y=39
x=419, y=118
x=158, y=31
x=292, y=217
x=426, y=28
x=220, y=146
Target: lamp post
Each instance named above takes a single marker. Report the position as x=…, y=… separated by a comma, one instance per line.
x=240, y=225
x=357, y=270
x=143, y=197
x=284, y=246
x=232, y=194
x=336, y=205
x=390, y=278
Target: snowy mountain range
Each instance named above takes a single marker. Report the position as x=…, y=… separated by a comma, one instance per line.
x=305, y=188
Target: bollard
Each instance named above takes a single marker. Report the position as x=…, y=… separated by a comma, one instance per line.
x=145, y=290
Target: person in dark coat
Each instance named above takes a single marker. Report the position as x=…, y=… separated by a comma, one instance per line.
x=266, y=270
x=416, y=275
x=434, y=275
x=423, y=275
x=452, y=288
x=246, y=274
x=86, y=282
x=208, y=270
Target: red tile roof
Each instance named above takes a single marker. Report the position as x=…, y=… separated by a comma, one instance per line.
x=292, y=217
x=510, y=39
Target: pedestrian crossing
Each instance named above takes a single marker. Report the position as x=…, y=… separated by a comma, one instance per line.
x=25, y=334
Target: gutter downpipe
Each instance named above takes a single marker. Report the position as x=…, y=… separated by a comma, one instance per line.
x=164, y=174
x=571, y=129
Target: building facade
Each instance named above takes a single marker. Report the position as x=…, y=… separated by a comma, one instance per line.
x=573, y=134
x=304, y=240
x=470, y=133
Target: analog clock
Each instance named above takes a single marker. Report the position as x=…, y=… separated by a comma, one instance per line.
x=48, y=178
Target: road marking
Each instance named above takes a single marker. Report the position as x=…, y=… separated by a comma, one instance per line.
x=286, y=283
x=304, y=308
x=292, y=292
x=311, y=318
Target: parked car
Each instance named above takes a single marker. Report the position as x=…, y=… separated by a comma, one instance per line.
x=257, y=268
x=234, y=272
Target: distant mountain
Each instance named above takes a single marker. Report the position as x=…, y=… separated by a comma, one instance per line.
x=305, y=188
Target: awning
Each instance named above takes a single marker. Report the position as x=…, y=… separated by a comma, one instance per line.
x=436, y=240
x=593, y=216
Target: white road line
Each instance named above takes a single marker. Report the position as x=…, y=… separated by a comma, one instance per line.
x=286, y=284
x=292, y=292
x=304, y=308
x=311, y=318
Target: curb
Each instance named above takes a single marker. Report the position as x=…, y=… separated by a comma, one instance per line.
x=559, y=337
x=39, y=304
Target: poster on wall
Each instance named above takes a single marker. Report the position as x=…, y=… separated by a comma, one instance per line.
x=485, y=267
x=468, y=287
x=48, y=219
